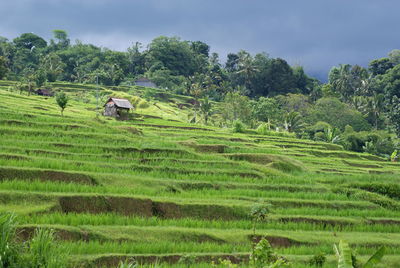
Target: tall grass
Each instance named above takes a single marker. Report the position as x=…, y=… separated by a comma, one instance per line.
x=161, y=247
x=45, y=252
x=8, y=249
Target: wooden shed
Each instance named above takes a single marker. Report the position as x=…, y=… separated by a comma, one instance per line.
x=44, y=92
x=117, y=107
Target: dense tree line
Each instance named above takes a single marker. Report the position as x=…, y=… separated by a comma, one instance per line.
x=172, y=63
x=359, y=107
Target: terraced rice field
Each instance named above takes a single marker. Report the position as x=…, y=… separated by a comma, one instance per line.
x=159, y=189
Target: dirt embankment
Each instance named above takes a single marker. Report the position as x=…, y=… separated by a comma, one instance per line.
x=45, y=175
x=148, y=208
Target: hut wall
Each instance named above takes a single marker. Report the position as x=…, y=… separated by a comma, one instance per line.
x=110, y=110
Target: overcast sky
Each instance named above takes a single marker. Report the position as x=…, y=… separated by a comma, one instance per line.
x=316, y=34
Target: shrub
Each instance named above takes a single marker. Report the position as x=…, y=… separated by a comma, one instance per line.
x=62, y=101
x=318, y=260
x=370, y=147
x=319, y=136
x=143, y=104
x=149, y=93
x=374, y=142
x=238, y=127
x=263, y=254
x=337, y=114
x=135, y=100
x=316, y=129
x=188, y=260
x=264, y=129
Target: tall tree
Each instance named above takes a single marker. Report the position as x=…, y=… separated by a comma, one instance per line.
x=29, y=77
x=29, y=41
x=236, y=107
x=394, y=114
x=173, y=54
x=349, y=80
x=205, y=109
x=52, y=65
x=394, y=56
x=380, y=66
x=136, y=59
x=3, y=67
x=247, y=69
x=62, y=39
x=232, y=61
x=267, y=110
x=376, y=106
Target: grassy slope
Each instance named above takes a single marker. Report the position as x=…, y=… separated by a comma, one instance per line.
x=159, y=186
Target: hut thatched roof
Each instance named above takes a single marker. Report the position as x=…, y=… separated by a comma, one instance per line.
x=121, y=103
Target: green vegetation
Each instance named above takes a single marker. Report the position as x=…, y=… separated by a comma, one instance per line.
x=358, y=108
x=62, y=101
x=41, y=250
x=221, y=166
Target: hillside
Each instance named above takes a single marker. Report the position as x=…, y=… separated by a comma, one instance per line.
x=156, y=187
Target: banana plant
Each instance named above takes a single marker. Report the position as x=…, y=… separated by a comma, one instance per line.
x=394, y=156
x=343, y=253
x=331, y=135
x=346, y=258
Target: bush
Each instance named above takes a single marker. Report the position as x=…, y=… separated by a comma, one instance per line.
x=238, y=127
x=143, y=104
x=62, y=100
x=374, y=142
x=263, y=254
x=337, y=114
x=264, y=129
x=318, y=260
x=319, y=127
x=149, y=93
x=188, y=260
x=319, y=136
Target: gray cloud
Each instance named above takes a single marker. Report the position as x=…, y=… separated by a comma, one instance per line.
x=313, y=33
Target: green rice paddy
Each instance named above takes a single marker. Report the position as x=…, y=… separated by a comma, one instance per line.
x=156, y=188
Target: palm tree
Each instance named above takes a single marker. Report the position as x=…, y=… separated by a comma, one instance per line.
x=205, y=109
x=339, y=78
x=359, y=103
x=376, y=106
x=292, y=121
x=29, y=78
x=197, y=91
x=247, y=68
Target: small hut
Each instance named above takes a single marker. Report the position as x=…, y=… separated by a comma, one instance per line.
x=117, y=107
x=44, y=92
